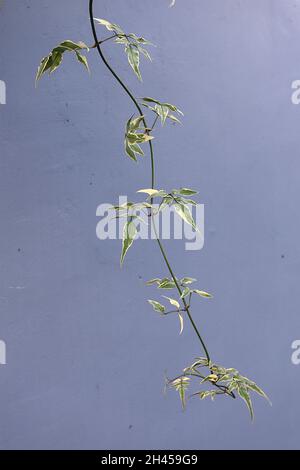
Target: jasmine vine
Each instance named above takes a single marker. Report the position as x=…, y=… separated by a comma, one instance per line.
x=138, y=134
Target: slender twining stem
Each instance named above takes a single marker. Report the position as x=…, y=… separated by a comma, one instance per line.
x=186, y=306
x=97, y=44
x=139, y=109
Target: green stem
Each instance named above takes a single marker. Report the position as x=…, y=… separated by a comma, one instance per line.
x=125, y=88
x=186, y=306
x=138, y=107
x=103, y=40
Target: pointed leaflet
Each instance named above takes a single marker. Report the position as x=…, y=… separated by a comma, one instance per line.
x=252, y=386
x=205, y=394
x=83, y=60
x=172, y=301
x=134, y=59
x=185, y=213
x=166, y=284
x=109, y=26
x=181, y=322
x=186, y=191
x=45, y=65
x=137, y=149
x=129, y=234
x=210, y=378
x=181, y=384
x=255, y=388
x=71, y=45
x=150, y=192
x=129, y=150
x=56, y=58
x=158, y=307
x=186, y=291
x=202, y=293
x=153, y=281
x=135, y=123
x=243, y=393
x=187, y=280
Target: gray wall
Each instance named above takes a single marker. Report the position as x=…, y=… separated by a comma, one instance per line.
x=85, y=354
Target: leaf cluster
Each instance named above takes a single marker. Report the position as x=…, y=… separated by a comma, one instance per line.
x=133, y=44
x=226, y=381
x=54, y=59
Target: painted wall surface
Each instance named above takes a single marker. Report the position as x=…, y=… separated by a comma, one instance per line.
x=85, y=354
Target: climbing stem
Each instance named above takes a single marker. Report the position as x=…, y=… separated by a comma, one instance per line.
x=139, y=109
x=186, y=306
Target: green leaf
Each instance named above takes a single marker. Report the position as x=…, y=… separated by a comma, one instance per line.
x=53, y=60
x=150, y=192
x=83, y=60
x=166, y=284
x=44, y=65
x=255, y=388
x=134, y=138
x=218, y=369
x=174, y=118
x=210, y=378
x=133, y=55
x=129, y=234
x=150, y=100
x=225, y=378
x=205, y=394
x=56, y=58
x=153, y=281
x=139, y=40
x=188, y=201
x=232, y=386
x=109, y=26
x=202, y=293
x=231, y=371
x=185, y=292
x=185, y=213
x=138, y=137
x=187, y=192
x=144, y=51
x=181, y=384
x=137, y=149
x=72, y=46
x=135, y=123
x=243, y=393
x=173, y=302
x=200, y=362
x=129, y=150
x=158, y=307
x=187, y=280
x=181, y=322
x=163, y=110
